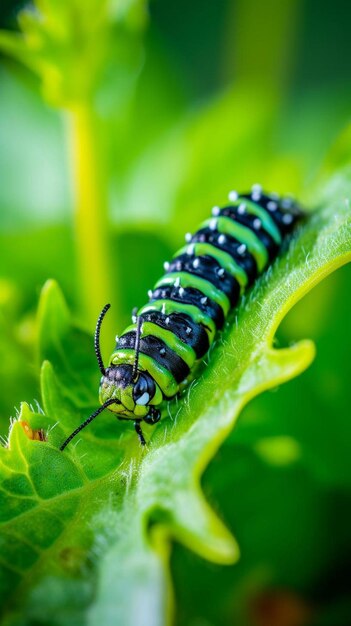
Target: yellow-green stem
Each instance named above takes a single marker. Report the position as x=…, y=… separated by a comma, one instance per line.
x=91, y=217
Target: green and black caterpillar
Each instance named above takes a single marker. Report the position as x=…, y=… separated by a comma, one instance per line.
x=204, y=281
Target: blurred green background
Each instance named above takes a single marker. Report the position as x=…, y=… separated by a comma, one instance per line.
x=215, y=95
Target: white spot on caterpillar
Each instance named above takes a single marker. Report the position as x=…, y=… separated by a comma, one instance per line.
x=287, y=203
x=166, y=266
x=149, y=293
x=242, y=208
x=215, y=211
x=162, y=351
x=204, y=300
x=188, y=330
x=196, y=263
x=287, y=218
x=177, y=282
x=213, y=224
x=144, y=399
x=233, y=195
x=272, y=206
x=163, y=308
x=167, y=320
x=181, y=291
x=241, y=249
x=256, y=224
x=256, y=192
x=221, y=272
x=190, y=249
x=221, y=239
x=188, y=237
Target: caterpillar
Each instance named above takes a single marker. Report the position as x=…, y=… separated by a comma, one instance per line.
x=189, y=305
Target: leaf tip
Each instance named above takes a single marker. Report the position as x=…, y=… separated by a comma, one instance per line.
x=281, y=365
x=197, y=526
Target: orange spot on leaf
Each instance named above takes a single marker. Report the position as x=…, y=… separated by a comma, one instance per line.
x=36, y=434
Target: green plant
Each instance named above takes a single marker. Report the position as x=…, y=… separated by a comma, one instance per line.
x=87, y=535
x=99, y=518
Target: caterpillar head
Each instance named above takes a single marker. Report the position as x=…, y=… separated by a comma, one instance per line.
x=125, y=390
x=135, y=395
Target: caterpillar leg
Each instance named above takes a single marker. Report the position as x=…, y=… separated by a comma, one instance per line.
x=153, y=416
x=139, y=432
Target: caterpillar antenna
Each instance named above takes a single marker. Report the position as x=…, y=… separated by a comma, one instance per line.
x=87, y=421
x=97, y=339
x=137, y=347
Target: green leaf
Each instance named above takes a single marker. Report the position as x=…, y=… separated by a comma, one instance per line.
x=91, y=528
x=282, y=481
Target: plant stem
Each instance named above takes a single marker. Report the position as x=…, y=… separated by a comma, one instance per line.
x=246, y=58
x=91, y=215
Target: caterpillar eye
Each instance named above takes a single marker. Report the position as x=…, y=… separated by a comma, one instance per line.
x=144, y=390
x=143, y=400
